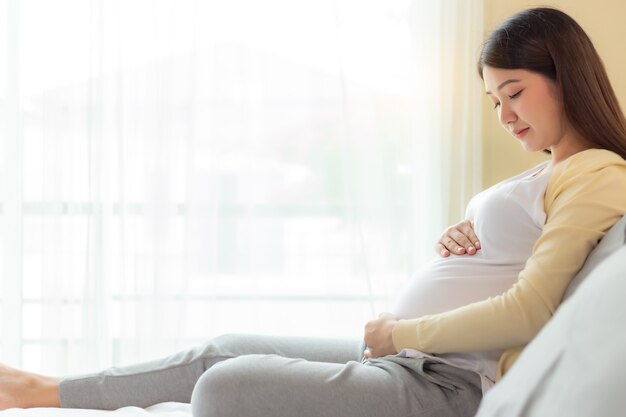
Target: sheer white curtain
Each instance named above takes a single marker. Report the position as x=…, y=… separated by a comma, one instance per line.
x=173, y=170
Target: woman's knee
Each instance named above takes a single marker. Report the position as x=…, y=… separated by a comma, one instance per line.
x=218, y=391
x=223, y=346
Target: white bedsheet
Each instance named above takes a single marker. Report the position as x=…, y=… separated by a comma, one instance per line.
x=159, y=410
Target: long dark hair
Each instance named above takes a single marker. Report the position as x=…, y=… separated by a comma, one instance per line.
x=549, y=42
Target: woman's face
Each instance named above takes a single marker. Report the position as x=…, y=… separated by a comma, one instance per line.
x=529, y=108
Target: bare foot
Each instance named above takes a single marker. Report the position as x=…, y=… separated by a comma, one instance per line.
x=19, y=389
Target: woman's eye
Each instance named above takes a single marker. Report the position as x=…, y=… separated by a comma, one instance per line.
x=511, y=97
x=516, y=95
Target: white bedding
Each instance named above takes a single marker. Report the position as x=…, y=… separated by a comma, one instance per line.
x=159, y=410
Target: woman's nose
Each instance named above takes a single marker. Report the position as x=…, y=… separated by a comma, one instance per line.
x=507, y=115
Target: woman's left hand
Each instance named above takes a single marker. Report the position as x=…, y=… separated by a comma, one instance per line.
x=378, y=336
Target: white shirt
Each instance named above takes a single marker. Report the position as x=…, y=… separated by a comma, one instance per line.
x=508, y=219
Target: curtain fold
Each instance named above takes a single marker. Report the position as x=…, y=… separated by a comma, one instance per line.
x=172, y=171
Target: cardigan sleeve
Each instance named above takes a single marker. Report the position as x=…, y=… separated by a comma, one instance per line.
x=585, y=197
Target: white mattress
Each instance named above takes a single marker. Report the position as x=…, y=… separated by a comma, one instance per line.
x=159, y=410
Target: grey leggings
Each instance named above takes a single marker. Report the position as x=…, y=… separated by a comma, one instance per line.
x=263, y=376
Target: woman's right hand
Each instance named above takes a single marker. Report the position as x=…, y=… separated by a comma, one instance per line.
x=458, y=239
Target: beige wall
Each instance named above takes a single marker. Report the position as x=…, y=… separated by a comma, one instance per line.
x=603, y=20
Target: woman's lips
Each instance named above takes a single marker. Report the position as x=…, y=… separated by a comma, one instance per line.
x=521, y=133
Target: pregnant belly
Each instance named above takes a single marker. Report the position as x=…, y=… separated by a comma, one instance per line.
x=445, y=284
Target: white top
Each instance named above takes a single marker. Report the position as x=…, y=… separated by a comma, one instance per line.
x=508, y=219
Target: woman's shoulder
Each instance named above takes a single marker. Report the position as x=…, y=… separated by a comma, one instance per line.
x=589, y=160
x=598, y=169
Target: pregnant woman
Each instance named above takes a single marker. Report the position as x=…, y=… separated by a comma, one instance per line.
x=464, y=318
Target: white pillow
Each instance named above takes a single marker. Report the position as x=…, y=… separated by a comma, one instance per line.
x=576, y=366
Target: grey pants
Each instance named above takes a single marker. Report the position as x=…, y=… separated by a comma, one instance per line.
x=263, y=376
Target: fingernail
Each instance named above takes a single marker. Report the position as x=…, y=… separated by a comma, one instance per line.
x=460, y=250
x=471, y=249
x=477, y=245
x=445, y=253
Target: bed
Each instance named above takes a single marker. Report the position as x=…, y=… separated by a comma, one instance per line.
x=170, y=409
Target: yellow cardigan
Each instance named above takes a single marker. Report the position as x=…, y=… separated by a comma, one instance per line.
x=585, y=196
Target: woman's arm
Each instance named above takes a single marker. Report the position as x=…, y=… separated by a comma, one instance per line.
x=585, y=197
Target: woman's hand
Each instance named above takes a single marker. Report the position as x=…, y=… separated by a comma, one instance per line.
x=458, y=239
x=378, y=336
